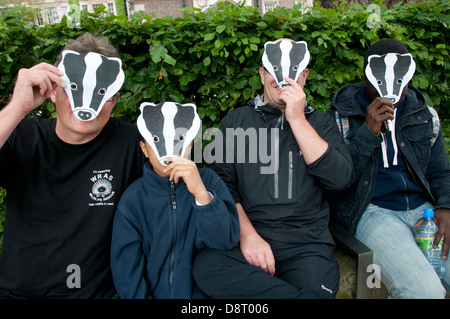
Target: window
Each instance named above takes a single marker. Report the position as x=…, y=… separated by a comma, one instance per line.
x=269, y=5
x=111, y=8
x=39, y=20
x=84, y=7
x=300, y=5
x=96, y=5
x=52, y=15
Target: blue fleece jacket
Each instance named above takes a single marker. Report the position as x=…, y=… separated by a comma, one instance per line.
x=158, y=227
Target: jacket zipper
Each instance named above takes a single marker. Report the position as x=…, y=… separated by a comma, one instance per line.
x=173, y=201
x=279, y=124
x=291, y=168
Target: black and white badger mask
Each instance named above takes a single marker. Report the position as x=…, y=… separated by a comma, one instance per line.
x=90, y=80
x=285, y=58
x=168, y=127
x=389, y=74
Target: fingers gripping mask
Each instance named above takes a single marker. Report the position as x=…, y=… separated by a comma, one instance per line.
x=285, y=58
x=169, y=128
x=90, y=80
x=390, y=73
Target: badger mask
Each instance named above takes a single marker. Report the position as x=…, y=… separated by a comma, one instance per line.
x=90, y=80
x=169, y=128
x=285, y=58
x=390, y=73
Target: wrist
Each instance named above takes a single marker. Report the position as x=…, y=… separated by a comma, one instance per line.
x=203, y=197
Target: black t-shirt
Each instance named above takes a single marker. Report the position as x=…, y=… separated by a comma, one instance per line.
x=61, y=201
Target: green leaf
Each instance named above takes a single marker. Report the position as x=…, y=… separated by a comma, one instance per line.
x=168, y=59
x=207, y=61
x=209, y=36
x=157, y=52
x=255, y=82
x=220, y=28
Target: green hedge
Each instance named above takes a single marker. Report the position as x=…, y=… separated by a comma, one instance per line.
x=212, y=58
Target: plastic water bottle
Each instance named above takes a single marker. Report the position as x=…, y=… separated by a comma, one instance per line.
x=425, y=234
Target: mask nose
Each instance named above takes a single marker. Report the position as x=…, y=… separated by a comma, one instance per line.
x=84, y=115
x=393, y=98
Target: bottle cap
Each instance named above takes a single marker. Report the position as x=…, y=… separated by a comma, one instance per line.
x=428, y=213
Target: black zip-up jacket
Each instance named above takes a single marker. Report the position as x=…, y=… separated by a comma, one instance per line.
x=419, y=138
x=285, y=204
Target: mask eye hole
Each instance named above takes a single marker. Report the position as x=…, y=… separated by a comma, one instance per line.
x=155, y=138
x=399, y=81
x=295, y=67
x=275, y=68
x=379, y=82
x=102, y=91
x=73, y=86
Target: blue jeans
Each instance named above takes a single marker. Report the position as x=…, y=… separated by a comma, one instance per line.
x=404, y=270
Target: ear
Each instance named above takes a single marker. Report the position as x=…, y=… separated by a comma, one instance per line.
x=303, y=76
x=143, y=148
x=53, y=96
x=365, y=81
x=261, y=74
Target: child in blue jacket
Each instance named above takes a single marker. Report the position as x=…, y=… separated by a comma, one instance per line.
x=170, y=213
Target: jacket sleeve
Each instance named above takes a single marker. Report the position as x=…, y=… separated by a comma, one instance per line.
x=127, y=256
x=362, y=144
x=334, y=169
x=217, y=222
x=438, y=172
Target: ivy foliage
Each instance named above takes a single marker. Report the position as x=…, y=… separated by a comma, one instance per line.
x=212, y=58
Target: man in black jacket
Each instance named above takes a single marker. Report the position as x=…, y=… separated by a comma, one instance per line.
x=399, y=173
x=285, y=248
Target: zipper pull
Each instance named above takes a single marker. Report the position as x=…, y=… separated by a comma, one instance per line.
x=173, y=198
x=291, y=163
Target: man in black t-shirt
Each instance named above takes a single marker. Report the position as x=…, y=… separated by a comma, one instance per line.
x=63, y=179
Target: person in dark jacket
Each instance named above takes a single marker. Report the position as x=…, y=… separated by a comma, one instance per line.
x=393, y=187
x=164, y=218
x=285, y=248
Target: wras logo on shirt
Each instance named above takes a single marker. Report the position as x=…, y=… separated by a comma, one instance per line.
x=102, y=188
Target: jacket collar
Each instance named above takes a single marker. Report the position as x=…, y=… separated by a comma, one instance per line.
x=268, y=108
x=156, y=180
